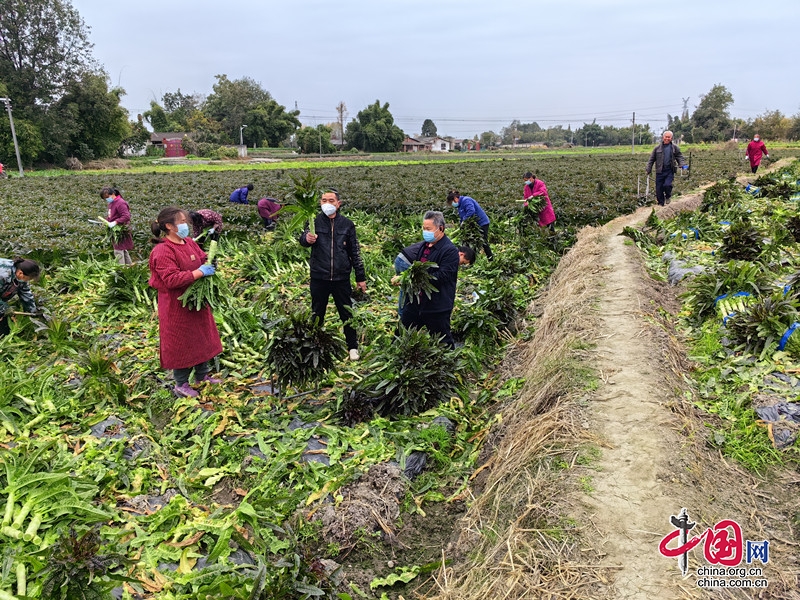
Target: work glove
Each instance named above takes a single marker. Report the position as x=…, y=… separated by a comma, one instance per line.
x=111, y=224
x=207, y=270
x=211, y=231
x=766, y=156
x=685, y=167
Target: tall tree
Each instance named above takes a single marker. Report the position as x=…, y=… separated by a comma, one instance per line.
x=97, y=121
x=428, y=128
x=230, y=102
x=269, y=122
x=711, y=121
x=313, y=140
x=373, y=130
x=44, y=44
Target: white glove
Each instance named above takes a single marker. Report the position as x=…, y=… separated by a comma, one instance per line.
x=112, y=223
x=766, y=156
x=211, y=231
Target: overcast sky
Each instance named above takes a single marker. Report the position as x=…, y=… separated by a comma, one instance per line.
x=470, y=65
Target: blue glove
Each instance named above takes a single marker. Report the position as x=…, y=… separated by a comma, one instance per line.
x=211, y=231
x=207, y=270
x=685, y=167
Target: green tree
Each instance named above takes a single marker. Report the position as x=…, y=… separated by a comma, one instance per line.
x=428, y=128
x=95, y=122
x=138, y=138
x=313, y=140
x=270, y=122
x=711, y=120
x=43, y=46
x=159, y=119
x=591, y=134
x=230, y=102
x=29, y=138
x=373, y=130
x=489, y=139
x=771, y=125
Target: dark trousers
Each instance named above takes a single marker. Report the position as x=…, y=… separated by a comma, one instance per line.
x=664, y=186
x=321, y=290
x=754, y=168
x=437, y=323
x=486, y=249
x=268, y=223
x=5, y=329
x=200, y=371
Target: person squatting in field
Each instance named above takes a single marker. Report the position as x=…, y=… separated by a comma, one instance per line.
x=335, y=253
x=467, y=208
x=667, y=157
x=188, y=338
x=533, y=188
x=755, y=150
x=268, y=211
x=15, y=277
x=206, y=220
x=119, y=214
x=466, y=257
x=239, y=195
x=434, y=313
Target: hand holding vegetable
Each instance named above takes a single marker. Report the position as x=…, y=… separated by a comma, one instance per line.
x=111, y=224
x=207, y=270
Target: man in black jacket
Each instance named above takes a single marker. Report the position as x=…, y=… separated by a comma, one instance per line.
x=434, y=313
x=667, y=158
x=334, y=254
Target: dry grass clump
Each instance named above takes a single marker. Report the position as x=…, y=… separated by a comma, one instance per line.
x=106, y=164
x=514, y=543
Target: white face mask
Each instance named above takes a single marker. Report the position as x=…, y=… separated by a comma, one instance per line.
x=755, y=139
x=329, y=209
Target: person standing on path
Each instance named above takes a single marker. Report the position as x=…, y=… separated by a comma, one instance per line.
x=239, y=195
x=119, y=215
x=755, y=150
x=335, y=253
x=467, y=208
x=532, y=188
x=667, y=158
x=188, y=338
x=434, y=313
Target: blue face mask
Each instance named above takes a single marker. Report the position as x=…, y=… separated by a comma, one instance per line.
x=183, y=230
x=455, y=204
x=110, y=199
x=428, y=236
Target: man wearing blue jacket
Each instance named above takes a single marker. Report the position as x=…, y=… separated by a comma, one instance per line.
x=239, y=195
x=467, y=207
x=434, y=313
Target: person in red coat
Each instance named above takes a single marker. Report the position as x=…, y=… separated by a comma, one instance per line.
x=189, y=338
x=119, y=215
x=205, y=219
x=536, y=187
x=755, y=150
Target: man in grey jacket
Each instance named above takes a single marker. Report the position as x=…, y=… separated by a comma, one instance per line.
x=667, y=158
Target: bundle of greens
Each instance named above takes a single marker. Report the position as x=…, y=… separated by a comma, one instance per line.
x=470, y=233
x=206, y=290
x=416, y=280
x=116, y=233
x=304, y=201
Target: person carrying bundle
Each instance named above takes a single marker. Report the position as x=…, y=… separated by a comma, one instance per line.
x=119, y=215
x=15, y=277
x=188, y=338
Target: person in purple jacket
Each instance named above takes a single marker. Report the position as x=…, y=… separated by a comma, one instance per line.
x=467, y=207
x=119, y=215
x=239, y=195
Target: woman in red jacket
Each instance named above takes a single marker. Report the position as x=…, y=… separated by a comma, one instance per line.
x=755, y=150
x=119, y=215
x=189, y=338
x=536, y=187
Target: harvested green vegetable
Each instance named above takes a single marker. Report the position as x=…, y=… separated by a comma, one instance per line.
x=116, y=233
x=416, y=280
x=206, y=290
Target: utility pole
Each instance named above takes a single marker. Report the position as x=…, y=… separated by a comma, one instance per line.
x=341, y=108
x=7, y=102
x=633, y=133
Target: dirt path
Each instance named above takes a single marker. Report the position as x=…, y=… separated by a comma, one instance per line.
x=631, y=503
x=648, y=469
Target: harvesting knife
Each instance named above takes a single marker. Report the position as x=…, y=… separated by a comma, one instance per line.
x=93, y=221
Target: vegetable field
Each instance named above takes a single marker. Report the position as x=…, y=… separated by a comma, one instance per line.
x=738, y=260
x=259, y=489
